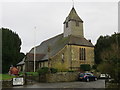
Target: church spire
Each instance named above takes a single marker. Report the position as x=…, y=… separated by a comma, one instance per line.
x=73, y=16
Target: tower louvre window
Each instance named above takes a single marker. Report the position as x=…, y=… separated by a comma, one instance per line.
x=66, y=24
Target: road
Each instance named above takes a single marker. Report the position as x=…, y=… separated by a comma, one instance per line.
x=76, y=84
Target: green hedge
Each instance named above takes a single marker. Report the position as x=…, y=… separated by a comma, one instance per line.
x=45, y=70
x=85, y=67
x=53, y=70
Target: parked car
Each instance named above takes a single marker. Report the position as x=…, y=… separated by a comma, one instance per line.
x=87, y=77
x=104, y=76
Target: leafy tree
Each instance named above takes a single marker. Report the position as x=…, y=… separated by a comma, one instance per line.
x=11, y=43
x=107, y=55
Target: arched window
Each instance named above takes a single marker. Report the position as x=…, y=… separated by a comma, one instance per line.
x=82, y=54
x=63, y=57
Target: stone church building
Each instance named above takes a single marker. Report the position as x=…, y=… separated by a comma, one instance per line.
x=65, y=51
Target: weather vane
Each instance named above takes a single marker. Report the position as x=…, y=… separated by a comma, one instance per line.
x=73, y=2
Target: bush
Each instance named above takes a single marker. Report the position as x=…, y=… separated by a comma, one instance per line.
x=53, y=70
x=71, y=71
x=94, y=67
x=43, y=70
x=85, y=67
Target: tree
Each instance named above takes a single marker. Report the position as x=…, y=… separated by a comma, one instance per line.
x=107, y=55
x=11, y=43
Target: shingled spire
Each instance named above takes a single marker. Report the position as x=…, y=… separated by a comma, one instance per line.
x=73, y=25
x=73, y=16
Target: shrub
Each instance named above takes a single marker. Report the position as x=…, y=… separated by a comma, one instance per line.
x=94, y=67
x=71, y=71
x=43, y=70
x=53, y=70
x=85, y=67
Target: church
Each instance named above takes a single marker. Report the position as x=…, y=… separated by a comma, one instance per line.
x=66, y=51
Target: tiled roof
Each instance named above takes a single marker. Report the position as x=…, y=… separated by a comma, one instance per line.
x=56, y=44
x=79, y=41
x=73, y=16
x=30, y=56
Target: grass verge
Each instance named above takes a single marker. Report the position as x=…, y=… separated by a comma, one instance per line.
x=6, y=77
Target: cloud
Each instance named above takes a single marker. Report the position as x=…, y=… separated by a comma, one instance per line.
x=22, y=17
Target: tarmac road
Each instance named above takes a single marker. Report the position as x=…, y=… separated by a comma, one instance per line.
x=76, y=84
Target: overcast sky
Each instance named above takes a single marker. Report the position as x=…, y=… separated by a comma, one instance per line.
x=100, y=18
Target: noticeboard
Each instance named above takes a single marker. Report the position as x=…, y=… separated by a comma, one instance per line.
x=18, y=81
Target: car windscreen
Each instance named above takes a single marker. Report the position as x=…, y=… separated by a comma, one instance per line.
x=81, y=75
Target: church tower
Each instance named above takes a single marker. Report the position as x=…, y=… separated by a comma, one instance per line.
x=73, y=25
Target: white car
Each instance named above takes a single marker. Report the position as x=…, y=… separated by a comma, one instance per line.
x=104, y=76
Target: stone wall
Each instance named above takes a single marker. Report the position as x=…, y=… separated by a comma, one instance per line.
x=58, y=62
x=62, y=77
x=57, y=77
x=76, y=55
x=74, y=30
x=72, y=57
x=7, y=83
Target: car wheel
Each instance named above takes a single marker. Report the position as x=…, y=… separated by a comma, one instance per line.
x=87, y=80
x=95, y=79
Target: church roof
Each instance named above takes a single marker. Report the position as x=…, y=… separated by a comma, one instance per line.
x=21, y=62
x=57, y=43
x=73, y=16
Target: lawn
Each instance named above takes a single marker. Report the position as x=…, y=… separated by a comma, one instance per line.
x=5, y=77
x=32, y=73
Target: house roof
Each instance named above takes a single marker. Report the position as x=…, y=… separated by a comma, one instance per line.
x=56, y=44
x=73, y=16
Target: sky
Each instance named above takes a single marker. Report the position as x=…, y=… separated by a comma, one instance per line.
x=100, y=18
